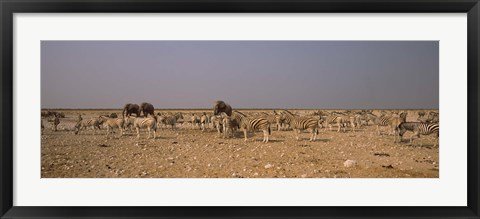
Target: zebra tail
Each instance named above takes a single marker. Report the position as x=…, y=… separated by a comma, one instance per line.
x=316, y=131
x=269, y=130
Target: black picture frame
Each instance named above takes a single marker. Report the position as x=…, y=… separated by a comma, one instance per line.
x=9, y=7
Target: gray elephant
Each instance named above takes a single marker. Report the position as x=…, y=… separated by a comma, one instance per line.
x=147, y=108
x=130, y=108
x=221, y=106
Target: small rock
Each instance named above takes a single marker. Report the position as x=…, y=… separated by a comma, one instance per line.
x=268, y=166
x=349, y=163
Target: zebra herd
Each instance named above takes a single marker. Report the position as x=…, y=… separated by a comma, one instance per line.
x=281, y=120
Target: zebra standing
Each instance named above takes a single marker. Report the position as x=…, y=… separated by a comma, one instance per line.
x=229, y=125
x=302, y=123
x=335, y=119
x=150, y=123
x=55, y=121
x=112, y=124
x=204, y=121
x=383, y=120
x=395, y=122
x=195, y=120
x=252, y=124
x=433, y=117
x=370, y=117
x=419, y=128
x=272, y=119
x=170, y=120
x=84, y=124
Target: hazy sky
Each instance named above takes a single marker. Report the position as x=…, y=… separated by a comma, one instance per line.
x=246, y=74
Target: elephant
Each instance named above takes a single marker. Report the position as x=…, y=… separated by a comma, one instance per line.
x=221, y=106
x=130, y=108
x=147, y=108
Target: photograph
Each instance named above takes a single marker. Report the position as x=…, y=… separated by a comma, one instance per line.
x=239, y=109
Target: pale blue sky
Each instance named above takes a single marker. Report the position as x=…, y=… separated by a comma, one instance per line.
x=246, y=74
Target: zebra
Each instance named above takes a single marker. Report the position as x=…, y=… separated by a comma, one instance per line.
x=335, y=119
x=204, y=120
x=150, y=123
x=383, y=120
x=272, y=119
x=55, y=120
x=229, y=125
x=395, y=121
x=252, y=124
x=216, y=121
x=349, y=119
x=302, y=123
x=433, y=117
x=422, y=117
x=195, y=120
x=171, y=120
x=113, y=123
x=419, y=128
x=128, y=123
x=370, y=117
x=280, y=119
x=93, y=122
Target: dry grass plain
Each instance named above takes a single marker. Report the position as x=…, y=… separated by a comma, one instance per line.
x=190, y=153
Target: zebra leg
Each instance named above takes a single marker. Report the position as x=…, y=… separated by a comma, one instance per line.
x=138, y=132
x=265, y=136
x=245, y=134
x=148, y=130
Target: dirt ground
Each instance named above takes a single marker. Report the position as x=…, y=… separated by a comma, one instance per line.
x=188, y=152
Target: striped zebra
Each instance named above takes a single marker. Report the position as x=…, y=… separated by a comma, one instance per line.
x=84, y=124
x=149, y=123
x=170, y=120
x=252, y=124
x=273, y=119
x=302, y=123
x=419, y=128
x=421, y=117
x=383, y=120
x=284, y=125
x=335, y=119
x=112, y=124
x=350, y=120
x=216, y=121
x=433, y=117
x=370, y=117
x=395, y=122
x=195, y=120
x=204, y=121
x=55, y=120
x=229, y=125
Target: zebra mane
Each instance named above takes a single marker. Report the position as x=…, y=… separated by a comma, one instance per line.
x=288, y=112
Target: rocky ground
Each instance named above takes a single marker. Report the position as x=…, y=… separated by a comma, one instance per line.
x=191, y=153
